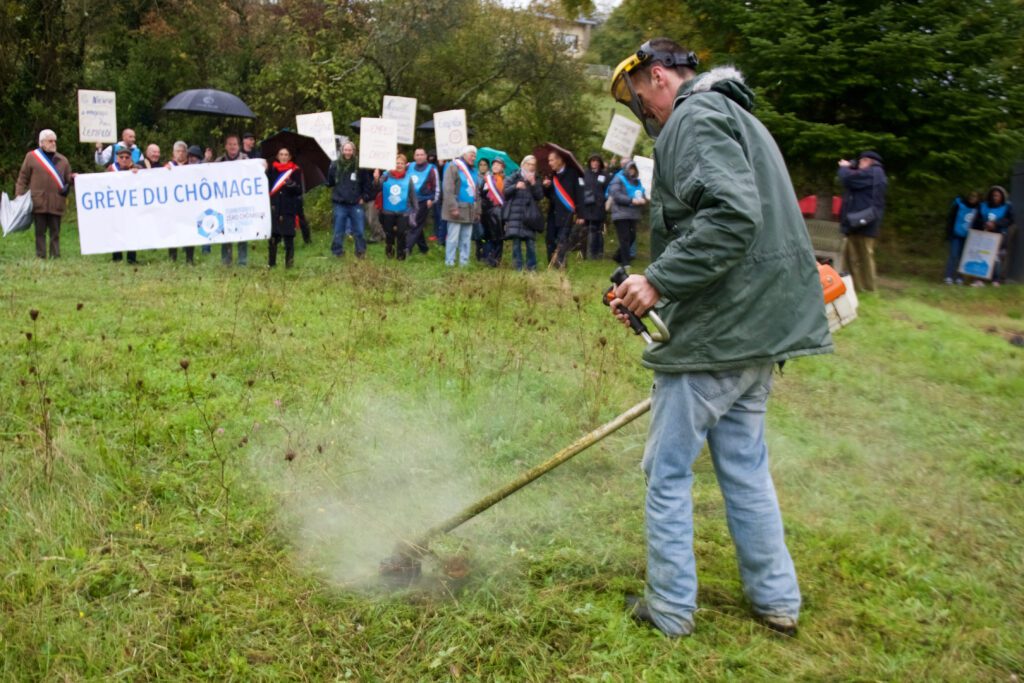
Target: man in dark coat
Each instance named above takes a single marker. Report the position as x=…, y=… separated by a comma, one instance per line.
x=562, y=188
x=352, y=189
x=864, y=185
x=233, y=152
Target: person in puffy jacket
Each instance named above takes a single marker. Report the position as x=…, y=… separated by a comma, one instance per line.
x=591, y=209
x=628, y=199
x=860, y=218
x=523, y=192
x=995, y=214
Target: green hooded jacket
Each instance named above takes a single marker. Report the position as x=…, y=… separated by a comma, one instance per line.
x=731, y=256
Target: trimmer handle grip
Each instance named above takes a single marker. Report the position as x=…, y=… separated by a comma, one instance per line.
x=637, y=325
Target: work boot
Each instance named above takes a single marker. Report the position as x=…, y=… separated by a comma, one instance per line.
x=639, y=612
x=779, y=623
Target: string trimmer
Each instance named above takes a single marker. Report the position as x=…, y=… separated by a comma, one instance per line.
x=405, y=561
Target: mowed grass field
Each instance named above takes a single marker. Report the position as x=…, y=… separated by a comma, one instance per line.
x=225, y=521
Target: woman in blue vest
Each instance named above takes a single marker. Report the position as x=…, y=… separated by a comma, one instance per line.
x=628, y=199
x=397, y=204
x=995, y=215
x=961, y=217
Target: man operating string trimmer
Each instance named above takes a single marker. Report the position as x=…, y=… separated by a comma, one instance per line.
x=733, y=277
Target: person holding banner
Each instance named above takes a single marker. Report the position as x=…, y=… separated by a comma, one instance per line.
x=123, y=162
x=151, y=159
x=562, y=189
x=351, y=188
x=180, y=157
x=104, y=155
x=46, y=174
x=233, y=152
x=285, y=180
x=428, y=189
x=397, y=205
x=461, y=208
x=492, y=198
x=522, y=215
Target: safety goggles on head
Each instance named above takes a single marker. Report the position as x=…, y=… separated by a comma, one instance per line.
x=622, y=82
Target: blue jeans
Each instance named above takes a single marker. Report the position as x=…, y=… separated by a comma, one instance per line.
x=458, y=240
x=727, y=409
x=956, y=248
x=348, y=218
x=531, y=252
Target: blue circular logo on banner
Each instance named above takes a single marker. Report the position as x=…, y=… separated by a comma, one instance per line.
x=210, y=224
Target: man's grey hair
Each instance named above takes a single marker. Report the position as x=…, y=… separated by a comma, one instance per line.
x=180, y=144
x=46, y=134
x=467, y=149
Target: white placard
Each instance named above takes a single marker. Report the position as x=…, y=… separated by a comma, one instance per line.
x=178, y=207
x=645, y=166
x=320, y=127
x=378, y=143
x=450, y=133
x=621, y=137
x=402, y=110
x=97, y=116
x=980, y=252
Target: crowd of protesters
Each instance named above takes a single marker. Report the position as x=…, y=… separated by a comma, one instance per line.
x=466, y=207
x=994, y=213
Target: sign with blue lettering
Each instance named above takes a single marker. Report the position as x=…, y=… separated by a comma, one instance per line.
x=181, y=206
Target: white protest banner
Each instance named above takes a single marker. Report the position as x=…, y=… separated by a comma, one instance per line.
x=980, y=252
x=402, y=110
x=645, y=166
x=97, y=116
x=621, y=137
x=178, y=207
x=378, y=143
x=450, y=133
x=320, y=127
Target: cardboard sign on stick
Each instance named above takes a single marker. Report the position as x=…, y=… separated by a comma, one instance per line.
x=621, y=137
x=402, y=110
x=378, y=143
x=97, y=116
x=450, y=133
x=320, y=127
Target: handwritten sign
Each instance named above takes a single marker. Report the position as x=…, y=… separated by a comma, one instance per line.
x=621, y=137
x=403, y=111
x=320, y=127
x=645, y=166
x=980, y=252
x=178, y=207
x=378, y=143
x=450, y=133
x=97, y=116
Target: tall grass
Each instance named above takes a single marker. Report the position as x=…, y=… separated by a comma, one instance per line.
x=222, y=522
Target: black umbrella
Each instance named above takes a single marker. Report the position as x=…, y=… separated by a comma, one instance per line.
x=542, y=151
x=357, y=124
x=211, y=102
x=306, y=153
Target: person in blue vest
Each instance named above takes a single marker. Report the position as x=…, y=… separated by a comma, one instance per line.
x=628, y=199
x=427, y=180
x=104, y=156
x=959, y=220
x=460, y=206
x=995, y=215
x=562, y=188
x=123, y=162
x=397, y=205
